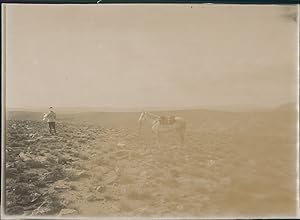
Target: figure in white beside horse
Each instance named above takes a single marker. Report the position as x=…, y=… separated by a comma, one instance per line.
x=50, y=117
x=161, y=124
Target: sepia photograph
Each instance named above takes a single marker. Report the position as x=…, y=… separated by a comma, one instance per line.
x=149, y=111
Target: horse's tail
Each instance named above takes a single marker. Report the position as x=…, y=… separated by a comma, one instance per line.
x=182, y=123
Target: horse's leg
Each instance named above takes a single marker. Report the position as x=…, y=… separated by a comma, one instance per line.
x=182, y=137
x=158, y=139
x=155, y=130
x=181, y=132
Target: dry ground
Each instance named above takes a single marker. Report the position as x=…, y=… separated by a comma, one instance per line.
x=232, y=164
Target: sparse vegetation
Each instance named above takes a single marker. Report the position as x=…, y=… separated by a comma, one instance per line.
x=230, y=162
x=46, y=156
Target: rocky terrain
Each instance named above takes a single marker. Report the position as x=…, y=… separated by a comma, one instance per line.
x=231, y=165
x=37, y=161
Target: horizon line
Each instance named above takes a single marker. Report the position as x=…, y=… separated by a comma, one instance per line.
x=244, y=107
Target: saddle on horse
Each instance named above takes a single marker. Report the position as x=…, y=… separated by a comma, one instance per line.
x=167, y=120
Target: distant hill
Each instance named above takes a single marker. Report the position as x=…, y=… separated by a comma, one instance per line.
x=24, y=115
x=230, y=108
x=287, y=107
x=90, y=113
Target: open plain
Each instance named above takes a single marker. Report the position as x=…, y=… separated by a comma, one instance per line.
x=232, y=164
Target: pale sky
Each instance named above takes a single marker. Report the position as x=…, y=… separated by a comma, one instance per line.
x=150, y=55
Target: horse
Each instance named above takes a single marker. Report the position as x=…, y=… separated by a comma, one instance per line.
x=163, y=124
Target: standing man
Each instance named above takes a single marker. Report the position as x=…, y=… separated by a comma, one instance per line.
x=51, y=117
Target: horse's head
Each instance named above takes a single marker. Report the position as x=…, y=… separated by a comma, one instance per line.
x=142, y=116
x=141, y=119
